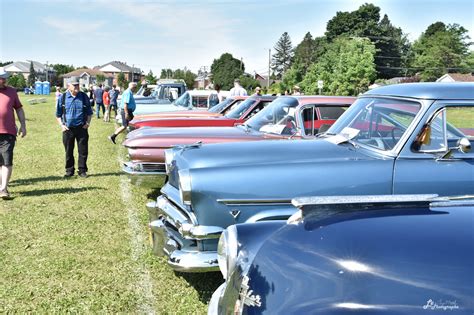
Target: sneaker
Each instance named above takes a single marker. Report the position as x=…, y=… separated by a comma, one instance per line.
x=112, y=138
x=83, y=174
x=4, y=194
x=67, y=175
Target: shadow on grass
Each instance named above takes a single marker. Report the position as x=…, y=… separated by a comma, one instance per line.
x=28, y=181
x=42, y=192
x=204, y=283
x=153, y=194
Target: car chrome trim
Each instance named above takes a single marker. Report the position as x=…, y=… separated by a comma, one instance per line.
x=364, y=201
x=271, y=215
x=251, y=202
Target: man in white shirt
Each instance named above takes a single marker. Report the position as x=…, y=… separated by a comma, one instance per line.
x=237, y=90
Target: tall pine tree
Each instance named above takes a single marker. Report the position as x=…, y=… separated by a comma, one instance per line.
x=283, y=57
x=32, y=75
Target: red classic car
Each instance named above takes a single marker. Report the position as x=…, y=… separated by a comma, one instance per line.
x=287, y=117
x=216, y=111
x=236, y=114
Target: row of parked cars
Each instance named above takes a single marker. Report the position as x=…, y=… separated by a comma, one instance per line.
x=363, y=205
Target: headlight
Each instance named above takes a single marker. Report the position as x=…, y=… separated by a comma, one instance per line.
x=185, y=186
x=169, y=156
x=227, y=251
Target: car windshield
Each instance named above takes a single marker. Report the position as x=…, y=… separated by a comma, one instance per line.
x=183, y=100
x=278, y=114
x=240, y=109
x=221, y=106
x=376, y=122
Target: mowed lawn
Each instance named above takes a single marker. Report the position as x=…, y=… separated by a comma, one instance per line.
x=82, y=245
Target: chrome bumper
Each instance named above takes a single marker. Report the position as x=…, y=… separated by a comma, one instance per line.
x=176, y=236
x=213, y=308
x=142, y=174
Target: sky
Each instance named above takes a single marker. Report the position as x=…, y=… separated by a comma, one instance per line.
x=153, y=35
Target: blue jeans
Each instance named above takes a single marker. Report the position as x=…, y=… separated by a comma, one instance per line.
x=97, y=109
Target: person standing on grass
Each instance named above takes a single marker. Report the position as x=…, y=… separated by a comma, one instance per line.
x=9, y=101
x=113, y=95
x=237, y=90
x=127, y=107
x=99, y=102
x=74, y=113
x=106, y=99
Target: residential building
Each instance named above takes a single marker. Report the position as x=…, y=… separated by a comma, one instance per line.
x=456, y=77
x=114, y=68
x=43, y=72
x=88, y=77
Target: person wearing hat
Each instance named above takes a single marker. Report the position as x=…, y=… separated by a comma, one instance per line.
x=74, y=113
x=9, y=101
x=237, y=90
x=258, y=91
x=296, y=90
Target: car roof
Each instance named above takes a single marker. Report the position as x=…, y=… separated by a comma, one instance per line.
x=432, y=90
x=322, y=99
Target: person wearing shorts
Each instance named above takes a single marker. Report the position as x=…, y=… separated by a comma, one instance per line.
x=127, y=107
x=9, y=103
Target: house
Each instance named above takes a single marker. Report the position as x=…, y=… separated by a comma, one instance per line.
x=23, y=67
x=456, y=77
x=263, y=79
x=88, y=77
x=203, y=80
x=114, y=68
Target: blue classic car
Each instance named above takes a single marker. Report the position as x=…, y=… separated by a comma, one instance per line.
x=398, y=254
x=401, y=139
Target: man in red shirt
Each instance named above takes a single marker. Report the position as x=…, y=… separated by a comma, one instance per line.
x=9, y=101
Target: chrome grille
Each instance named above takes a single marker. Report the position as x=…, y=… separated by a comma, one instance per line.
x=153, y=167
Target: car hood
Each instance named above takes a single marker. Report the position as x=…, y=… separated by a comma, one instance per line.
x=393, y=261
x=153, y=136
x=261, y=152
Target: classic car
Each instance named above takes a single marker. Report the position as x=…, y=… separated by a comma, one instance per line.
x=236, y=115
x=288, y=117
x=215, y=111
x=164, y=92
x=399, y=139
x=405, y=254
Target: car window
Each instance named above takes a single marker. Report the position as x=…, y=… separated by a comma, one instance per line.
x=448, y=126
x=377, y=122
x=318, y=118
x=183, y=100
x=200, y=101
x=237, y=111
x=258, y=108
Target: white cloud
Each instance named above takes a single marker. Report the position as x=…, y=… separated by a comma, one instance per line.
x=71, y=27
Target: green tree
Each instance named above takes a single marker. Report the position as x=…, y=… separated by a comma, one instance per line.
x=100, y=78
x=283, y=56
x=441, y=49
x=225, y=70
x=166, y=74
x=347, y=68
x=32, y=75
x=150, y=78
x=390, y=42
x=17, y=81
x=122, y=81
x=185, y=75
x=248, y=83
x=5, y=63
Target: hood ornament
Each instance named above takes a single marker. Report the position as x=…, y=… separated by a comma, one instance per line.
x=246, y=295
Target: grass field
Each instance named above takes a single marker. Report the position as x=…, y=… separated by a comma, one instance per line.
x=81, y=245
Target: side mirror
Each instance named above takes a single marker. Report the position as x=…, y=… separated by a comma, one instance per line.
x=464, y=145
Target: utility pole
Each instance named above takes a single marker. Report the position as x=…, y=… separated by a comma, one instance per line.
x=269, y=62
x=47, y=70
x=240, y=63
